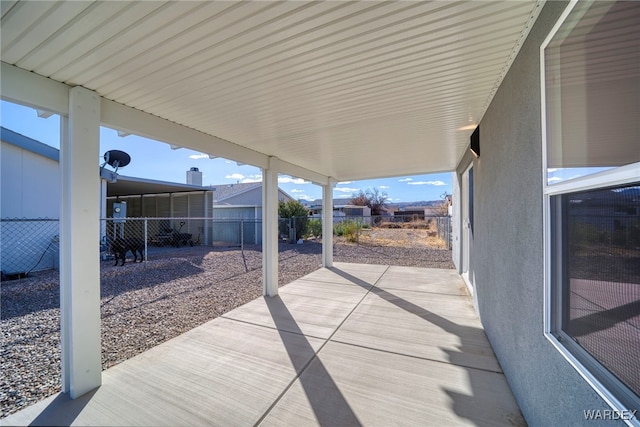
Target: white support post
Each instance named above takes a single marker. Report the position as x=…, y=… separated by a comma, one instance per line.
x=79, y=249
x=270, y=228
x=327, y=224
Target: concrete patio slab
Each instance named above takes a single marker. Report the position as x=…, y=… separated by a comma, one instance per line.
x=299, y=311
x=342, y=346
x=366, y=274
x=221, y=373
x=374, y=388
x=433, y=280
x=449, y=306
x=406, y=322
x=343, y=292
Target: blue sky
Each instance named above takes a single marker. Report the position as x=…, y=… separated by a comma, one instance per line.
x=155, y=160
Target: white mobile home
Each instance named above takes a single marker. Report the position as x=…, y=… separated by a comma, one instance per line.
x=29, y=205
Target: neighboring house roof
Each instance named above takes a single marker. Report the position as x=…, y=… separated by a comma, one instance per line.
x=337, y=202
x=29, y=144
x=226, y=191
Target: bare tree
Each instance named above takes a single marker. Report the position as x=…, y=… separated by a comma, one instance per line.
x=443, y=208
x=375, y=199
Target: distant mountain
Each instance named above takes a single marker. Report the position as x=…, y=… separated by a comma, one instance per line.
x=343, y=201
x=429, y=203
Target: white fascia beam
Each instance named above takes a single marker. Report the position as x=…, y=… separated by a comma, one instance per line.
x=287, y=168
x=33, y=90
x=123, y=118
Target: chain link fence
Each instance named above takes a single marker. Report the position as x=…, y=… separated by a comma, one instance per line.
x=444, y=228
x=29, y=245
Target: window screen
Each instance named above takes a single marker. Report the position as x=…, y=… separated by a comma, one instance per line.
x=598, y=240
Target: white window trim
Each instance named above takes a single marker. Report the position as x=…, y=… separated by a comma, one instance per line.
x=617, y=176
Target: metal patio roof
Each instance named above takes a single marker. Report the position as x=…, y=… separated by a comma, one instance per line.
x=132, y=186
x=349, y=90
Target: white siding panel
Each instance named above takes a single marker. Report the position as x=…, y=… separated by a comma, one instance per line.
x=163, y=203
x=11, y=181
x=180, y=205
x=149, y=206
x=41, y=187
x=30, y=184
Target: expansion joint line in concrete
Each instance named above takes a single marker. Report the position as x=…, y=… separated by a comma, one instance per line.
x=493, y=371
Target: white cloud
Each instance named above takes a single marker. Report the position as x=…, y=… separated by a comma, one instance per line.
x=235, y=176
x=289, y=180
x=199, y=156
x=305, y=197
x=244, y=179
x=552, y=169
x=384, y=187
x=252, y=178
x=554, y=179
x=295, y=190
x=436, y=183
x=345, y=182
x=346, y=189
x=405, y=179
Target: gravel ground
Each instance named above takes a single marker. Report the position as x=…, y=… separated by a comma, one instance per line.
x=145, y=304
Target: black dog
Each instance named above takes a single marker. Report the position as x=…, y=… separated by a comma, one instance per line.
x=121, y=246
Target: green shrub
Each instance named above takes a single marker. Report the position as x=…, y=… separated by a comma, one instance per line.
x=314, y=228
x=349, y=229
x=297, y=215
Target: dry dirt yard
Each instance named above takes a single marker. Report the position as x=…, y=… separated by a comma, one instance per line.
x=145, y=304
x=403, y=237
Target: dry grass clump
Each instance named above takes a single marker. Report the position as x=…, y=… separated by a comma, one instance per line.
x=412, y=234
x=417, y=224
x=405, y=237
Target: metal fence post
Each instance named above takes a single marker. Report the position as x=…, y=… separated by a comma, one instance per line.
x=242, y=236
x=145, y=240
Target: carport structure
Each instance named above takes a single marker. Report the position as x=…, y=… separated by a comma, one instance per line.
x=324, y=91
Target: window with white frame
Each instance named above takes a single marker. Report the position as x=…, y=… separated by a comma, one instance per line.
x=591, y=102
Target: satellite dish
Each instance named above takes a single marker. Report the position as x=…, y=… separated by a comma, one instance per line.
x=116, y=159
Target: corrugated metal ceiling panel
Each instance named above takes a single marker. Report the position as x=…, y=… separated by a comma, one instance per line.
x=347, y=89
